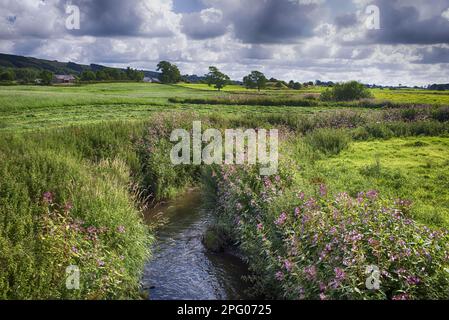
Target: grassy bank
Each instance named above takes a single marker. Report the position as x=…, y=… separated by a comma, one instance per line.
x=66, y=199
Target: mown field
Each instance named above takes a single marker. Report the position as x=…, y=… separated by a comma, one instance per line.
x=77, y=165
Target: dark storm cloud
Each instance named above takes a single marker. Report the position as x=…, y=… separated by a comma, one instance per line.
x=257, y=22
x=196, y=27
x=433, y=55
x=411, y=22
x=346, y=20
x=257, y=52
x=109, y=18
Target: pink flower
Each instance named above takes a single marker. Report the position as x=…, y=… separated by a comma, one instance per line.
x=260, y=227
x=297, y=212
x=310, y=272
x=288, y=265
x=372, y=194
x=323, y=190
x=281, y=220
x=48, y=197
x=402, y=296
x=279, y=276
x=121, y=229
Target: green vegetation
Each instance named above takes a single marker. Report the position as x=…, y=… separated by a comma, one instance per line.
x=65, y=200
x=170, y=72
x=348, y=91
x=77, y=162
x=255, y=80
x=216, y=78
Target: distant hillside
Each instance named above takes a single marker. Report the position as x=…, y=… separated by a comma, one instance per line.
x=19, y=62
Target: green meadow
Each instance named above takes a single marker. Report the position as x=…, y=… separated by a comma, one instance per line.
x=78, y=165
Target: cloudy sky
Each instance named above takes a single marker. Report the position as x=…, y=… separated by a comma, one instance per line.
x=288, y=39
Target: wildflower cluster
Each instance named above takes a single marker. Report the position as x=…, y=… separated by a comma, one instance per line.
x=302, y=247
x=68, y=241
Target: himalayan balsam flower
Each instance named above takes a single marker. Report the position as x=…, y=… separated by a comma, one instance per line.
x=323, y=190
x=48, y=197
x=281, y=220
x=297, y=212
x=402, y=296
x=413, y=280
x=279, y=276
x=260, y=227
x=288, y=265
x=340, y=275
x=372, y=194
x=310, y=272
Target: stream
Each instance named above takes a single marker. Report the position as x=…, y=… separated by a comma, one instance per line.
x=180, y=267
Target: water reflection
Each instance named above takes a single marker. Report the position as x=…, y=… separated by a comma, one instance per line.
x=181, y=268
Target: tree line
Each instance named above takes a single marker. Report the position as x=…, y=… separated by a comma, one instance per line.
x=45, y=77
x=170, y=74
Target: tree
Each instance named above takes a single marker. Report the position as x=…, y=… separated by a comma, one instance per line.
x=294, y=85
x=216, y=78
x=101, y=75
x=7, y=75
x=170, y=72
x=88, y=76
x=46, y=77
x=255, y=79
x=348, y=91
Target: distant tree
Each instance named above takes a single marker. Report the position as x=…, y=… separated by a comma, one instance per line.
x=46, y=77
x=348, y=91
x=216, y=78
x=134, y=74
x=113, y=74
x=101, y=75
x=7, y=75
x=26, y=75
x=297, y=86
x=170, y=72
x=254, y=80
x=88, y=76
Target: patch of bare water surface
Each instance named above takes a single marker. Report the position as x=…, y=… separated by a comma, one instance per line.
x=181, y=268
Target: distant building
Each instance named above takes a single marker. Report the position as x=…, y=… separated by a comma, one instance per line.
x=62, y=78
x=151, y=80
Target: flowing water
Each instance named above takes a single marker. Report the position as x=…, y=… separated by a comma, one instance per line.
x=181, y=268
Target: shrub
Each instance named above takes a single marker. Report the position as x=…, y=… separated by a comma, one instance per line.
x=441, y=114
x=348, y=91
x=326, y=247
x=328, y=141
x=161, y=178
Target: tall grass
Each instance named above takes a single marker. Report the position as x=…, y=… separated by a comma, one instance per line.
x=328, y=141
x=52, y=179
